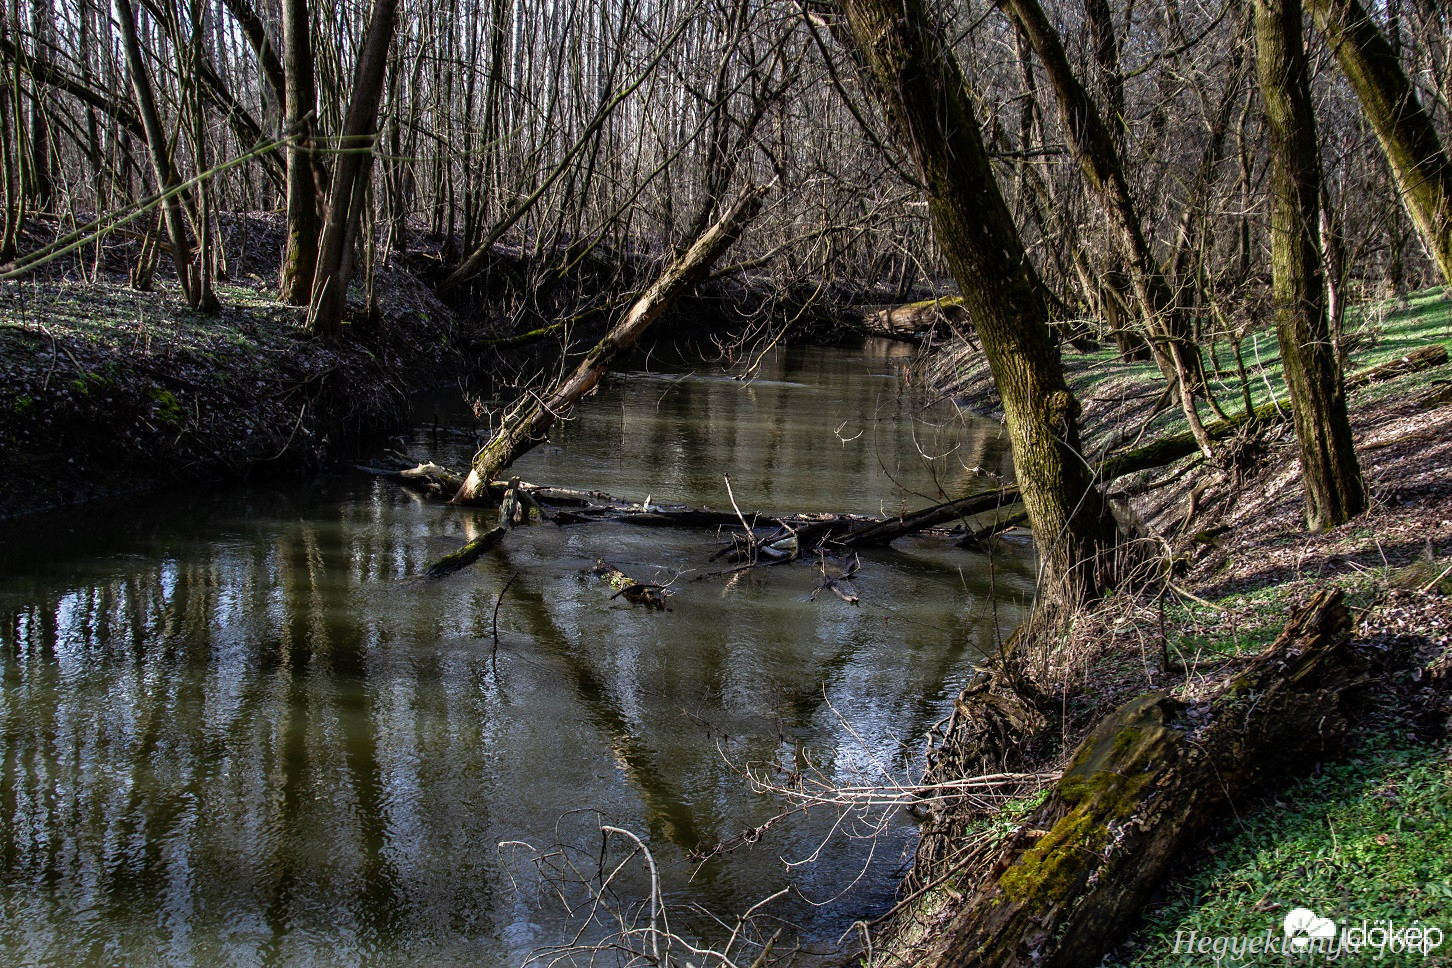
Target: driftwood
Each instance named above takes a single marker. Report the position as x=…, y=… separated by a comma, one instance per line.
x=885, y=532
x=526, y=425
x=467, y=555
x=1006, y=518
x=633, y=591
x=1153, y=777
x=833, y=577
x=514, y=509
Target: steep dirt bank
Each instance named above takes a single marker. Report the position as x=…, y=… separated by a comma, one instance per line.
x=107, y=390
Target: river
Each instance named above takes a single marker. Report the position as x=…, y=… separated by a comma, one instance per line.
x=238, y=729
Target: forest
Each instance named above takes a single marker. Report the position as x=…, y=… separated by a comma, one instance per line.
x=725, y=482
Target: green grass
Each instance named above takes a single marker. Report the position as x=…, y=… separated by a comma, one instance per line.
x=1365, y=839
x=1247, y=622
x=1384, y=331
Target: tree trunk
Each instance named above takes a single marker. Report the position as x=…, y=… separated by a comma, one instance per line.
x=349, y=189
x=300, y=255
x=527, y=425
x=1154, y=777
x=157, y=146
x=923, y=89
x=1094, y=149
x=1413, y=150
x=42, y=184
x=1329, y=469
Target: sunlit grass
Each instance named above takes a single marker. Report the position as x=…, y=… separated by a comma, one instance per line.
x=1364, y=839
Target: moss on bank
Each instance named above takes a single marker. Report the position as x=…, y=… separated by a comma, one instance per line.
x=1365, y=839
x=1365, y=835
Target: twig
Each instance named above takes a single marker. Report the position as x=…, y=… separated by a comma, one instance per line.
x=1428, y=587
x=498, y=601
x=750, y=535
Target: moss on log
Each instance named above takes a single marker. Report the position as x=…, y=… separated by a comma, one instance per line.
x=909, y=321
x=467, y=555
x=1153, y=777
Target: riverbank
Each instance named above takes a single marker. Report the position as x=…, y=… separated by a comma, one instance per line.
x=1359, y=836
x=107, y=390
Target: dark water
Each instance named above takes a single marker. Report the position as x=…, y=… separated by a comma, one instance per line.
x=236, y=731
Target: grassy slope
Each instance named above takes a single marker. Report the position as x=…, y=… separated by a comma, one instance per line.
x=1369, y=836
x=1366, y=838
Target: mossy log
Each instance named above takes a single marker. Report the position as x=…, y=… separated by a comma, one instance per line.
x=633, y=591
x=467, y=555
x=1155, y=776
x=910, y=321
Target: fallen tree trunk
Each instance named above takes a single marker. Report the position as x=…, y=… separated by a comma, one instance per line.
x=885, y=532
x=1425, y=358
x=909, y=321
x=527, y=424
x=632, y=590
x=1154, y=776
x=467, y=555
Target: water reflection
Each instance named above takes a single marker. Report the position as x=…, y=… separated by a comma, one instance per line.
x=236, y=730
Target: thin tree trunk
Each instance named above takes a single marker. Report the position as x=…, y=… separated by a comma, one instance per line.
x=157, y=146
x=42, y=184
x=300, y=255
x=349, y=188
x=1329, y=469
x=923, y=89
x=1417, y=159
x=1093, y=147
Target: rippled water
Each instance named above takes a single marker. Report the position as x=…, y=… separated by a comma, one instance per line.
x=236, y=729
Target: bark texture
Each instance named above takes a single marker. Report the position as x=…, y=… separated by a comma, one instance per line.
x=923, y=90
x=1330, y=472
x=1413, y=150
x=158, y=148
x=300, y=254
x=349, y=189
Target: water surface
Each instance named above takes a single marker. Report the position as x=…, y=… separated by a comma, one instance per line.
x=237, y=730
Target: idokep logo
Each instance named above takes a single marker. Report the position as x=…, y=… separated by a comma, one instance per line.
x=1302, y=928
x=1306, y=938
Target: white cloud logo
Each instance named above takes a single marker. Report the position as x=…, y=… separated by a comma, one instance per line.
x=1302, y=927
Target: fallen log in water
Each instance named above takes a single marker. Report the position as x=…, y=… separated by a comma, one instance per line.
x=467, y=555
x=1154, y=776
x=633, y=591
x=847, y=530
x=526, y=425
x=909, y=321
x=882, y=533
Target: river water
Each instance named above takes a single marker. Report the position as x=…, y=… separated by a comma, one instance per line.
x=237, y=729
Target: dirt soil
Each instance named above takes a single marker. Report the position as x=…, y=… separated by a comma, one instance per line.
x=106, y=390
